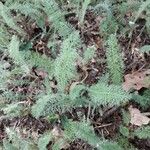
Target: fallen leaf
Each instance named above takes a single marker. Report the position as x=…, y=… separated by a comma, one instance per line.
x=137, y=118
x=137, y=80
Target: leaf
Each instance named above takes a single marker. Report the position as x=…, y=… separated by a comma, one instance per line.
x=16, y=55
x=114, y=60
x=8, y=146
x=103, y=94
x=143, y=6
x=137, y=118
x=136, y=80
x=145, y=49
x=25, y=46
x=124, y=131
x=38, y=108
x=142, y=133
x=5, y=13
x=60, y=144
x=44, y=140
x=110, y=145
x=83, y=10
x=12, y=110
x=89, y=54
x=143, y=100
x=125, y=117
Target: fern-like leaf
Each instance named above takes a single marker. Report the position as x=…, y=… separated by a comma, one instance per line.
x=4, y=38
x=114, y=60
x=44, y=140
x=37, y=60
x=88, y=54
x=6, y=15
x=143, y=6
x=143, y=132
x=83, y=10
x=84, y=131
x=143, y=99
x=65, y=68
x=102, y=94
x=39, y=108
x=110, y=145
x=145, y=49
x=56, y=16
x=12, y=110
x=15, y=141
x=81, y=130
x=53, y=103
x=8, y=146
x=15, y=54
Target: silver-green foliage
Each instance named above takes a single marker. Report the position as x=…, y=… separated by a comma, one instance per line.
x=103, y=94
x=15, y=141
x=4, y=74
x=74, y=130
x=114, y=60
x=12, y=110
x=4, y=38
x=145, y=49
x=124, y=131
x=47, y=104
x=108, y=23
x=55, y=103
x=110, y=145
x=143, y=99
x=65, y=64
x=56, y=16
x=67, y=95
x=9, y=20
x=38, y=60
x=88, y=54
x=84, y=131
x=108, y=26
x=143, y=132
x=81, y=130
x=143, y=6
x=85, y=4
x=44, y=140
x=14, y=53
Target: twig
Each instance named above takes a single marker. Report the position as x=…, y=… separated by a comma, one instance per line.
x=110, y=112
x=103, y=125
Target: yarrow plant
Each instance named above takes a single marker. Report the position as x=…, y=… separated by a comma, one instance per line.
x=45, y=65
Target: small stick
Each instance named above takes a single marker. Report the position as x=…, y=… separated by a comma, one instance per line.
x=103, y=125
x=110, y=112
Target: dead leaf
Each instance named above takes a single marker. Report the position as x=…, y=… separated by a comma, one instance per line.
x=137, y=118
x=137, y=80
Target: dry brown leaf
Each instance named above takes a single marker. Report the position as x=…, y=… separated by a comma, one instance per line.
x=137, y=80
x=137, y=118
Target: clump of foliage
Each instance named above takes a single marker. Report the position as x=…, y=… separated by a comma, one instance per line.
x=49, y=83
